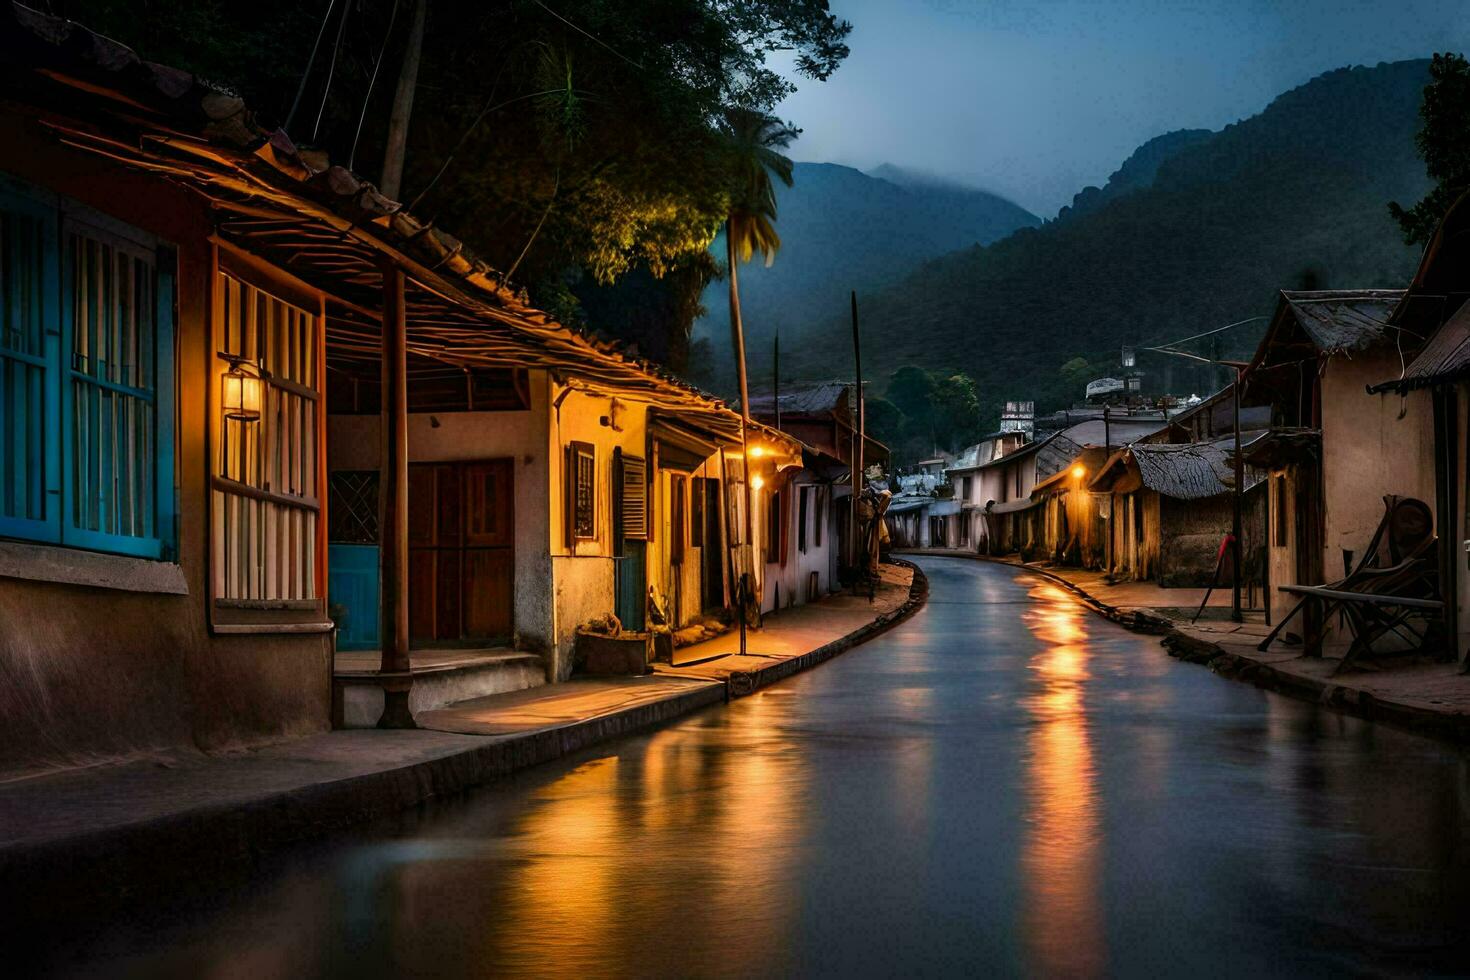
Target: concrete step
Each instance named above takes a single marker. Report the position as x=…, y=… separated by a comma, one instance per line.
x=440, y=678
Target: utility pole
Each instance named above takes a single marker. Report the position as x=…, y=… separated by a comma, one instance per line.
x=391, y=183
x=1235, y=508
x=776, y=378
x=857, y=449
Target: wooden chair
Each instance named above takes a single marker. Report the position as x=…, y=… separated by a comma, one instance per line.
x=1392, y=591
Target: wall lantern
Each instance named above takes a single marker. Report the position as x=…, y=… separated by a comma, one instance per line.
x=1079, y=471
x=757, y=451
x=757, y=481
x=241, y=391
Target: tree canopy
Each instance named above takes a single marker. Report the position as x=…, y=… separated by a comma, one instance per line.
x=574, y=141
x=1443, y=141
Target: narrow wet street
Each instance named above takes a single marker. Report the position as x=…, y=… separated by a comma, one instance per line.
x=1004, y=785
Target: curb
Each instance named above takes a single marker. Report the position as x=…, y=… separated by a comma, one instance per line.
x=1451, y=726
x=1454, y=727
x=180, y=847
x=747, y=682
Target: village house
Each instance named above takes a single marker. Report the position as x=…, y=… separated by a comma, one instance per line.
x=1016, y=486
x=1169, y=497
x=821, y=417
x=968, y=527
x=911, y=517
x=252, y=407
x=1333, y=454
x=1441, y=370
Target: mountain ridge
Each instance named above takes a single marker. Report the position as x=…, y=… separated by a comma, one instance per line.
x=1294, y=195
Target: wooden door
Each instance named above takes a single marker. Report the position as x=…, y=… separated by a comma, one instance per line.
x=461, y=551
x=712, y=546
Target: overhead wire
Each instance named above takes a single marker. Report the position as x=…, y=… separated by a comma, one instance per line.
x=372, y=81
x=306, y=72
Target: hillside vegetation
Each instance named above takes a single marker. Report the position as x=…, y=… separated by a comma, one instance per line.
x=1293, y=197
x=841, y=229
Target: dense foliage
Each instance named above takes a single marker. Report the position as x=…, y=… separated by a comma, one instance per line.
x=574, y=142
x=925, y=412
x=1444, y=143
x=1291, y=197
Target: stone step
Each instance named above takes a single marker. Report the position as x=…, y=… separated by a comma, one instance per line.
x=440, y=678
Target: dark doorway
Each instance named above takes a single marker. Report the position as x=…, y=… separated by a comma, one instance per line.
x=712, y=555
x=461, y=555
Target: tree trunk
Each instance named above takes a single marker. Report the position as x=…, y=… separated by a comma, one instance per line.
x=737, y=341
x=408, y=77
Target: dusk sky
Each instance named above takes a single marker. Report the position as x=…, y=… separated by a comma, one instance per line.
x=1035, y=99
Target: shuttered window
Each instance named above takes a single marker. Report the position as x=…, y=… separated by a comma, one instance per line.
x=581, y=492
x=634, y=490
x=27, y=283
x=678, y=521
x=86, y=378
x=266, y=486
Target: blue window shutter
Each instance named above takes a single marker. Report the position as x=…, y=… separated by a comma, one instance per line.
x=28, y=317
x=165, y=514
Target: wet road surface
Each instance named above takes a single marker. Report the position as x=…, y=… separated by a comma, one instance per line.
x=1004, y=785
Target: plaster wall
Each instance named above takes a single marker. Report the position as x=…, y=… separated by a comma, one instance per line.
x=91, y=674
x=583, y=572
x=1369, y=451
x=793, y=577
x=354, y=443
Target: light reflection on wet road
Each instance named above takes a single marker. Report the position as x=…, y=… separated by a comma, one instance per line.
x=1005, y=784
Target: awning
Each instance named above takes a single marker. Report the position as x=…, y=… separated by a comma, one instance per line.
x=681, y=448
x=1446, y=357
x=1014, y=506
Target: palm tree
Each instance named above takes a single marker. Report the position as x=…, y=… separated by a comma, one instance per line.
x=753, y=141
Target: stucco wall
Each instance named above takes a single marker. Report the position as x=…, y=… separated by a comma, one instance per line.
x=793, y=576
x=583, y=572
x=353, y=443
x=88, y=674
x=1368, y=451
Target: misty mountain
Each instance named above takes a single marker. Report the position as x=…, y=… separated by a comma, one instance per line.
x=1136, y=173
x=1294, y=197
x=842, y=229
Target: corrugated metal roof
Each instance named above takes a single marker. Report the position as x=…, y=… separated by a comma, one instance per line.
x=1445, y=357
x=1343, y=319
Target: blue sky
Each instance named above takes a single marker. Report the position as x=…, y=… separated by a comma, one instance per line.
x=1035, y=99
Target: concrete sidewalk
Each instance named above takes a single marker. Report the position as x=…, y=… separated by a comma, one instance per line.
x=1425, y=695
x=184, y=813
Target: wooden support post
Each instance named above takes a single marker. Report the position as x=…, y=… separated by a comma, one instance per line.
x=1446, y=451
x=393, y=506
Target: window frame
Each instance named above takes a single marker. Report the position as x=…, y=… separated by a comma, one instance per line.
x=231, y=615
x=576, y=452
x=60, y=217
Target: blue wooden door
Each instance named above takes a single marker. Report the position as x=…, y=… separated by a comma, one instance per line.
x=352, y=594
x=632, y=573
